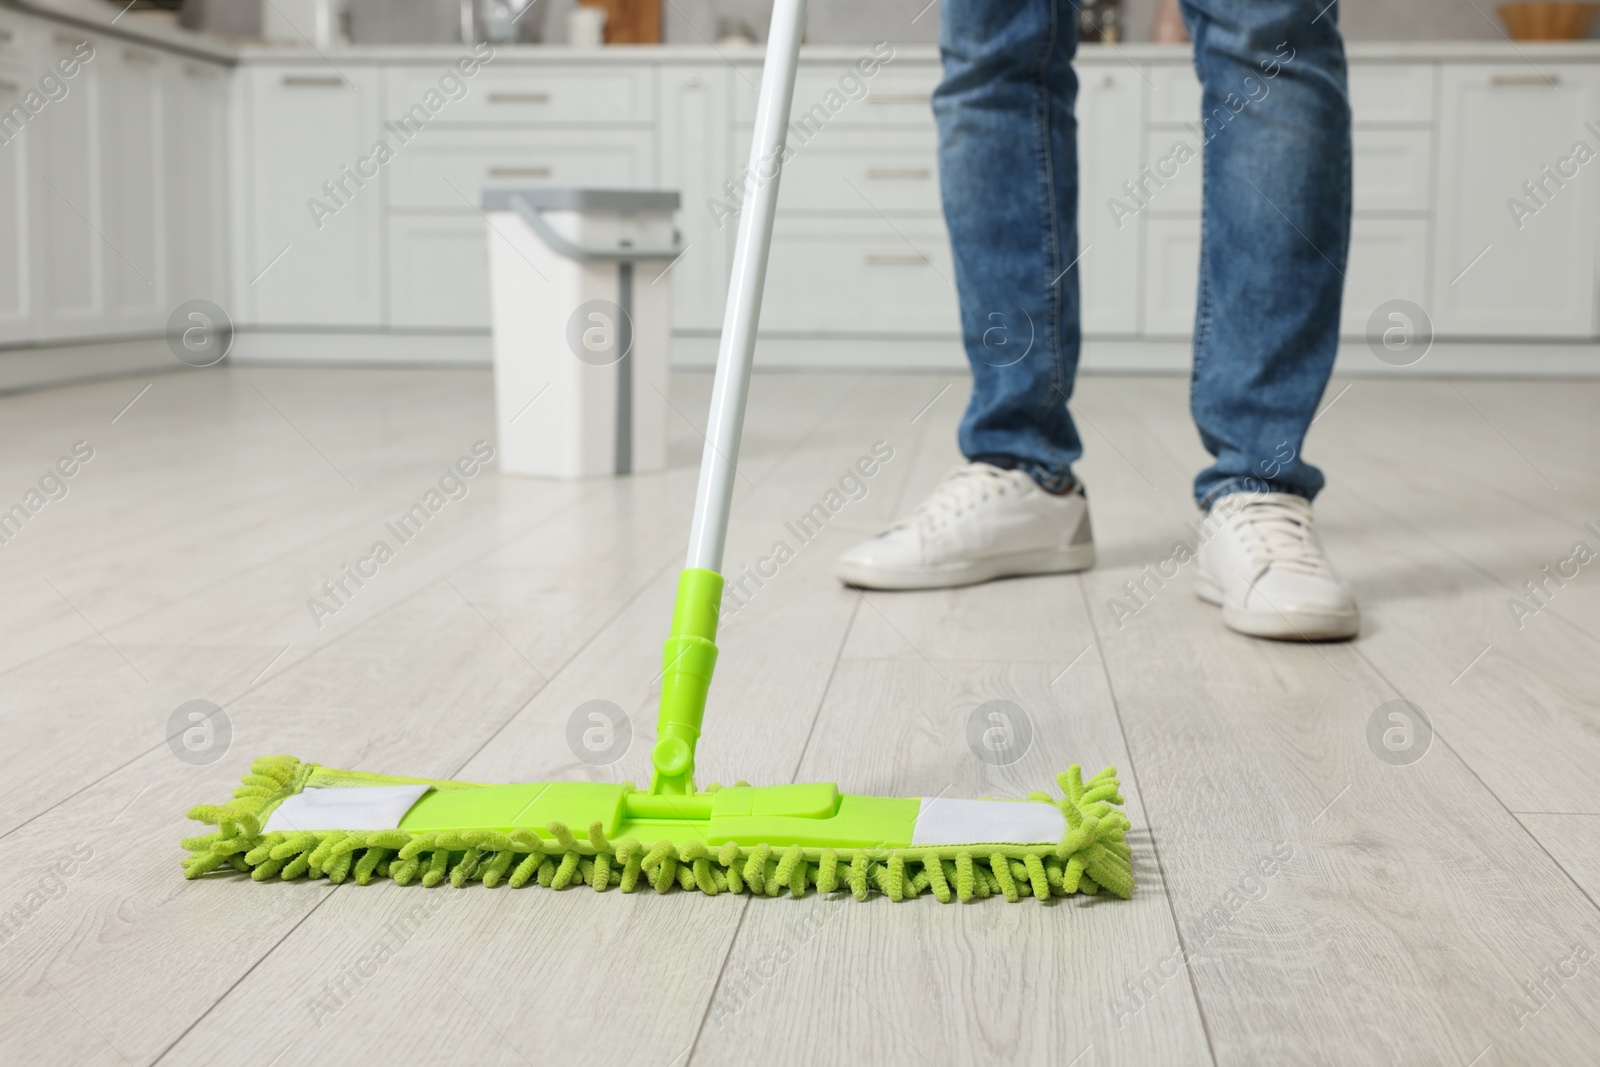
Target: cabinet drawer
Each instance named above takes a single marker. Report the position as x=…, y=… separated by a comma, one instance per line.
x=1379, y=93
x=1174, y=94
x=439, y=272
x=1388, y=261
x=824, y=96
x=1171, y=274
x=848, y=276
x=1182, y=189
x=893, y=171
x=521, y=95
x=1383, y=92
x=1392, y=169
x=449, y=169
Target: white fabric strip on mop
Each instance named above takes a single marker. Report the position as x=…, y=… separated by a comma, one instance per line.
x=368, y=807
x=948, y=821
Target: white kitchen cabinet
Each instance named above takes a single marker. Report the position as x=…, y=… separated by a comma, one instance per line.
x=900, y=93
x=1109, y=102
x=449, y=169
x=861, y=277
x=195, y=158
x=1500, y=271
x=1392, y=93
x=1171, y=272
x=132, y=178
x=1393, y=169
x=1388, y=261
x=696, y=161
x=439, y=272
x=504, y=92
x=314, y=221
x=16, y=303
x=845, y=171
x=65, y=197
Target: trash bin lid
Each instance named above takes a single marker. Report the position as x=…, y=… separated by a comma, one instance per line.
x=570, y=198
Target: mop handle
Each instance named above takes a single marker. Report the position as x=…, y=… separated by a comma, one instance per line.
x=690, y=653
x=718, y=463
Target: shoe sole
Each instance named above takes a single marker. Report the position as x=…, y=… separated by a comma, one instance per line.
x=1278, y=625
x=1016, y=565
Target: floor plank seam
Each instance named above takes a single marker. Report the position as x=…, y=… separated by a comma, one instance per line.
x=1470, y=769
x=247, y=972
x=312, y=653
x=564, y=664
x=234, y=575
x=1471, y=565
x=816, y=717
x=332, y=643
x=1155, y=848
x=722, y=970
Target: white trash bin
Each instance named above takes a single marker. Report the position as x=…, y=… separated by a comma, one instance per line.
x=582, y=322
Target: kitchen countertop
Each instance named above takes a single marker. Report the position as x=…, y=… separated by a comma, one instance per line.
x=160, y=29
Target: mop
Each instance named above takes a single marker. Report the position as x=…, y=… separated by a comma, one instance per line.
x=290, y=819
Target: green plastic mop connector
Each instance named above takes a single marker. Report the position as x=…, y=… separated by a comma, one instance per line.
x=687, y=661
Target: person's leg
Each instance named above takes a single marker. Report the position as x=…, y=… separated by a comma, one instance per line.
x=1276, y=119
x=1008, y=170
x=1009, y=175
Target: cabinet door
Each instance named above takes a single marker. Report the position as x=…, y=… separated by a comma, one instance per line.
x=132, y=178
x=696, y=161
x=315, y=250
x=439, y=272
x=196, y=164
x=1109, y=103
x=16, y=321
x=1171, y=275
x=69, y=253
x=1509, y=261
x=1388, y=261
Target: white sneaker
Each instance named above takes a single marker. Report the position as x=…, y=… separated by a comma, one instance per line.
x=981, y=522
x=1265, y=568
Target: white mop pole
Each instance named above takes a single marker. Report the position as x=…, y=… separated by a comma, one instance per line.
x=714, y=497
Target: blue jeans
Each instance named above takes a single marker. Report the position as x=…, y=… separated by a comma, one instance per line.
x=1275, y=230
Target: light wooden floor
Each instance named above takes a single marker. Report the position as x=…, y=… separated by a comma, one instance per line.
x=1441, y=912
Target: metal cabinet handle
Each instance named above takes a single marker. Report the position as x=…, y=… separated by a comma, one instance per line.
x=896, y=259
x=134, y=55
x=519, y=172
x=897, y=98
x=66, y=40
x=1551, y=80
x=194, y=71
x=313, y=81
x=898, y=173
x=519, y=98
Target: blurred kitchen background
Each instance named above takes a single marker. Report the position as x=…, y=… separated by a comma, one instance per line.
x=219, y=155
x=847, y=21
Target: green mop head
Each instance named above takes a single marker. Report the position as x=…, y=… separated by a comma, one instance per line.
x=291, y=819
x=284, y=822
